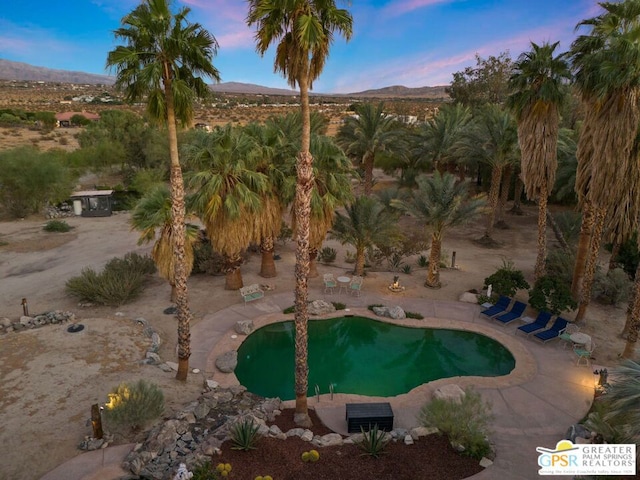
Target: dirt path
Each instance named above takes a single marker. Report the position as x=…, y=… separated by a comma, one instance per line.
x=50, y=377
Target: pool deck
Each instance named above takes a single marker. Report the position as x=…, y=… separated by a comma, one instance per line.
x=533, y=406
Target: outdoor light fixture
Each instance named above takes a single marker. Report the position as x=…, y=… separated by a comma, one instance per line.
x=600, y=380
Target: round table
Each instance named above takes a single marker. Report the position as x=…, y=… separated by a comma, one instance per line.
x=580, y=338
x=343, y=282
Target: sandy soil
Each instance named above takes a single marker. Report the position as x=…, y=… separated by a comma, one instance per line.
x=51, y=377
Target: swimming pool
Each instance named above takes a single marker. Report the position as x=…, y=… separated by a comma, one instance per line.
x=363, y=356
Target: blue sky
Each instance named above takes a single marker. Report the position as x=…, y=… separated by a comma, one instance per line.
x=413, y=43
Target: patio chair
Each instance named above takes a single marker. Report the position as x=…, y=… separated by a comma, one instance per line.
x=500, y=307
x=516, y=312
x=541, y=321
x=356, y=285
x=584, y=353
x=554, y=332
x=329, y=282
x=566, y=335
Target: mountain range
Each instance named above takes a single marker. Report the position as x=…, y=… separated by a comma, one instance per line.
x=18, y=71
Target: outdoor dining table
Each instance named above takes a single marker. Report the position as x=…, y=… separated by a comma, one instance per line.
x=580, y=338
x=343, y=282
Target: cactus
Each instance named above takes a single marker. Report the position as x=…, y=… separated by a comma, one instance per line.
x=266, y=477
x=310, y=456
x=223, y=469
x=305, y=456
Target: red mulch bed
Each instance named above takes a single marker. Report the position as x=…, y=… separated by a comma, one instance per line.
x=428, y=458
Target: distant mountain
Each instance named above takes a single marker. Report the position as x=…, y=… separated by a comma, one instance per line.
x=23, y=71
x=249, y=89
x=398, y=91
x=19, y=71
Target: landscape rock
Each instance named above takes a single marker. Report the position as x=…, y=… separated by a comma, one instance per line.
x=468, y=297
x=485, y=462
x=451, y=392
x=227, y=362
x=244, y=327
x=408, y=440
x=320, y=307
x=391, y=312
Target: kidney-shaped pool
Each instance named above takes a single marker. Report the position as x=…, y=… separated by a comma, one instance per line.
x=362, y=356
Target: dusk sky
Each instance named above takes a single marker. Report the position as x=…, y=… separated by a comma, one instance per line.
x=413, y=43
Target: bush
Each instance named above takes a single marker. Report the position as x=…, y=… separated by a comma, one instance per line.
x=134, y=405
x=120, y=281
x=560, y=263
x=552, y=294
x=350, y=257
x=613, y=288
x=338, y=305
x=244, y=434
x=423, y=261
x=327, y=255
x=569, y=224
x=628, y=255
x=204, y=471
x=465, y=423
x=415, y=315
x=373, y=441
x=57, y=226
x=290, y=309
x=507, y=280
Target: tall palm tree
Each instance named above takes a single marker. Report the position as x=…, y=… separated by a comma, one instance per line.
x=492, y=140
x=228, y=194
x=441, y=203
x=367, y=134
x=367, y=223
x=152, y=216
x=606, y=64
x=303, y=31
x=537, y=94
x=161, y=63
x=332, y=173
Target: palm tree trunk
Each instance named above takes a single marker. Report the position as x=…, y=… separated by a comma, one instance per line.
x=233, y=274
x=178, y=226
x=433, y=273
x=633, y=319
x=174, y=293
x=359, y=268
x=586, y=229
x=517, y=197
x=267, y=265
x=302, y=209
x=590, y=270
x=541, y=259
x=504, y=195
x=367, y=161
x=494, y=190
x=313, y=264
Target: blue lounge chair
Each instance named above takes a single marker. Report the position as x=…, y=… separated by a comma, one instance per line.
x=539, y=323
x=500, y=307
x=554, y=332
x=516, y=312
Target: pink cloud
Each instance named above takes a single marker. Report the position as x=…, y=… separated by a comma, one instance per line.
x=225, y=19
x=400, y=7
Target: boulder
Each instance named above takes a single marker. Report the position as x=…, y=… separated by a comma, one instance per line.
x=244, y=327
x=451, y=392
x=468, y=297
x=227, y=362
x=320, y=307
x=390, y=312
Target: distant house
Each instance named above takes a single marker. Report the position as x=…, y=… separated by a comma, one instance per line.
x=92, y=203
x=64, y=119
x=203, y=126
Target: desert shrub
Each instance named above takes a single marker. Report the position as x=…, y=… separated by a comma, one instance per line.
x=628, y=255
x=422, y=261
x=290, y=309
x=63, y=141
x=286, y=233
x=57, y=226
x=414, y=315
x=613, y=288
x=120, y=281
x=373, y=441
x=205, y=260
x=552, y=294
x=406, y=269
x=244, y=434
x=370, y=307
x=350, y=257
x=560, y=264
x=465, y=423
x=327, y=255
x=133, y=405
x=506, y=280
x=373, y=257
x=339, y=306
x=204, y=471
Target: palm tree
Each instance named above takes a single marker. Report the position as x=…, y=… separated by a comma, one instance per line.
x=492, y=140
x=303, y=31
x=537, y=94
x=367, y=134
x=606, y=65
x=228, y=194
x=332, y=173
x=622, y=400
x=440, y=139
x=367, y=223
x=161, y=64
x=153, y=213
x=441, y=203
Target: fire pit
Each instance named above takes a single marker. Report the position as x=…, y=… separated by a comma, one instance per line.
x=395, y=287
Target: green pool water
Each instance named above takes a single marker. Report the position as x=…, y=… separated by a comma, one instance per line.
x=367, y=357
